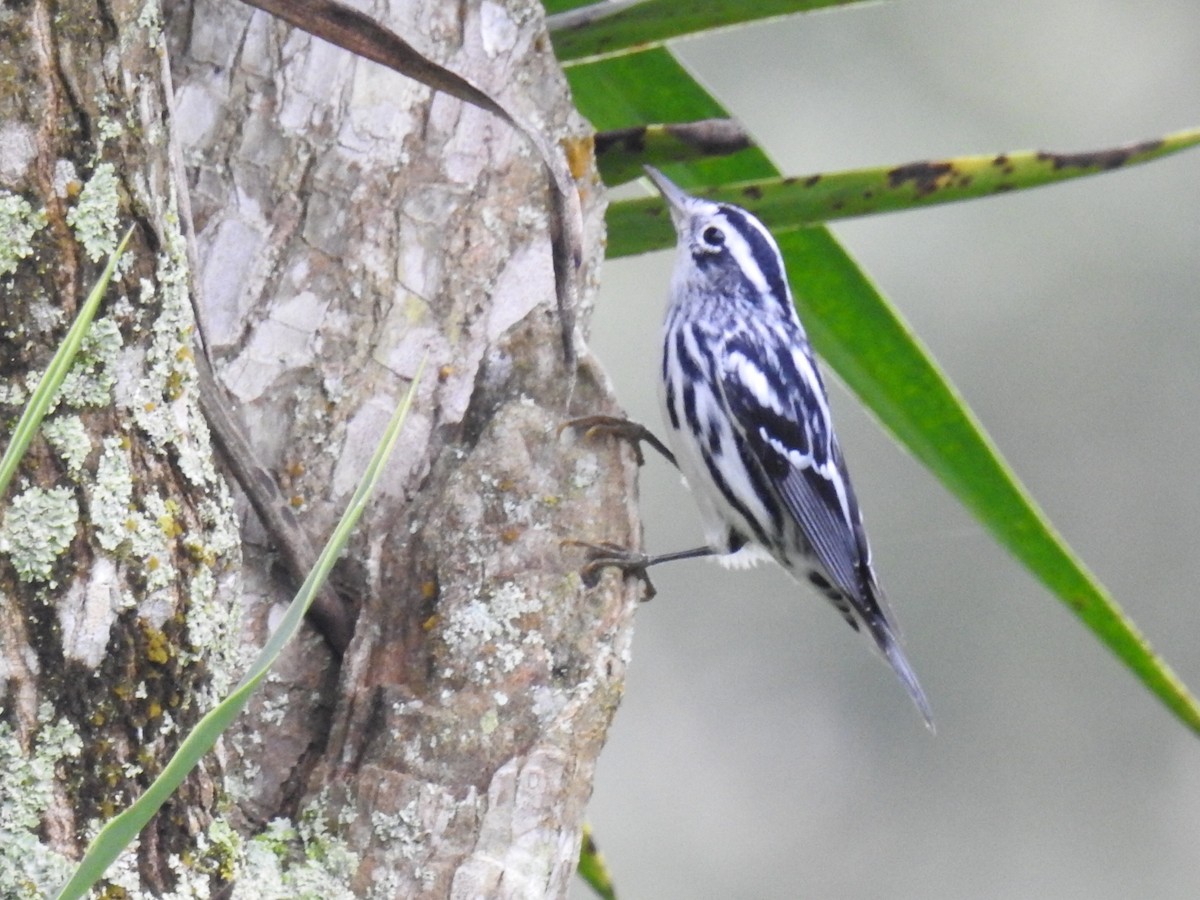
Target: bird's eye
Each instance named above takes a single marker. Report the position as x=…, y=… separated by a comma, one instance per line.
x=713, y=237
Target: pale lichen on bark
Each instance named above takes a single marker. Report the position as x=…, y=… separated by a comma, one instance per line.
x=39, y=525
x=95, y=215
x=19, y=222
x=28, y=864
x=114, y=644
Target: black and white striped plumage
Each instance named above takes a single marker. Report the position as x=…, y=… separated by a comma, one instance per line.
x=749, y=423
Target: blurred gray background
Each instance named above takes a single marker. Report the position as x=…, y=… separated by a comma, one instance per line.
x=761, y=750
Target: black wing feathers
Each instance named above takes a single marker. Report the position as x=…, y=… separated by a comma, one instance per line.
x=779, y=413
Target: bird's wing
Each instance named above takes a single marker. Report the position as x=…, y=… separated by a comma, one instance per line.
x=777, y=400
x=779, y=406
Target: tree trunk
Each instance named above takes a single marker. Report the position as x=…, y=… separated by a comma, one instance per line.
x=119, y=548
x=349, y=221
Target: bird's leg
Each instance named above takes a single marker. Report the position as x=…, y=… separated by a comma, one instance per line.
x=607, y=555
x=613, y=556
x=625, y=429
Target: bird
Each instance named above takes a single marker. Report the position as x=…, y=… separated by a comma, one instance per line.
x=748, y=424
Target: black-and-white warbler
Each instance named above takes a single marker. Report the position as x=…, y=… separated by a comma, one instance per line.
x=748, y=419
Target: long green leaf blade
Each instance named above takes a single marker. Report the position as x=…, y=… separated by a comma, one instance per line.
x=864, y=339
x=120, y=831
x=784, y=204
x=52, y=379
x=650, y=23
x=640, y=89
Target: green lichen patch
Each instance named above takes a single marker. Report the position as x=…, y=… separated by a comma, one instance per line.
x=19, y=222
x=213, y=633
x=164, y=404
x=162, y=544
x=90, y=381
x=489, y=631
x=150, y=18
x=285, y=861
x=28, y=867
x=96, y=214
x=70, y=440
x=39, y=525
x=111, y=494
x=152, y=534
x=210, y=863
x=108, y=128
x=143, y=532
x=301, y=860
x=13, y=394
x=165, y=407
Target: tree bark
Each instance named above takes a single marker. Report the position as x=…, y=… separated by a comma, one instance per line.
x=119, y=620
x=349, y=222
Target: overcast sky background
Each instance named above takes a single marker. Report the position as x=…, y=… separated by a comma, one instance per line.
x=761, y=750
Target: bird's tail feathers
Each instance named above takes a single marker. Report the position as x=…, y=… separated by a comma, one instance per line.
x=889, y=646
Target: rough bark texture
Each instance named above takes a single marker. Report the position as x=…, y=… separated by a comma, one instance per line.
x=349, y=222
x=118, y=540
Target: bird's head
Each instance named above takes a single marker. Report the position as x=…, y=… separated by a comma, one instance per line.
x=723, y=252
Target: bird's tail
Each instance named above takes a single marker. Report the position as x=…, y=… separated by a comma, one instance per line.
x=869, y=609
x=889, y=646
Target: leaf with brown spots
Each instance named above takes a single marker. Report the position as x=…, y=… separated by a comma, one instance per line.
x=621, y=153
x=785, y=204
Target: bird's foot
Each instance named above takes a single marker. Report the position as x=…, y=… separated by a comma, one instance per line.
x=607, y=555
x=624, y=429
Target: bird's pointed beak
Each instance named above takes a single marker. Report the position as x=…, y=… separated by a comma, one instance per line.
x=675, y=197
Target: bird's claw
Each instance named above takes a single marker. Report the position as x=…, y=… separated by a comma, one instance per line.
x=607, y=555
x=624, y=429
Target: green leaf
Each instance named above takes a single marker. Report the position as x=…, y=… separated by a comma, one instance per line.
x=643, y=89
x=593, y=869
x=873, y=350
x=120, y=831
x=640, y=89
x=60, y=365
x=557, y=6
x=637, y=226
x=621, y=153
x=650, y=23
